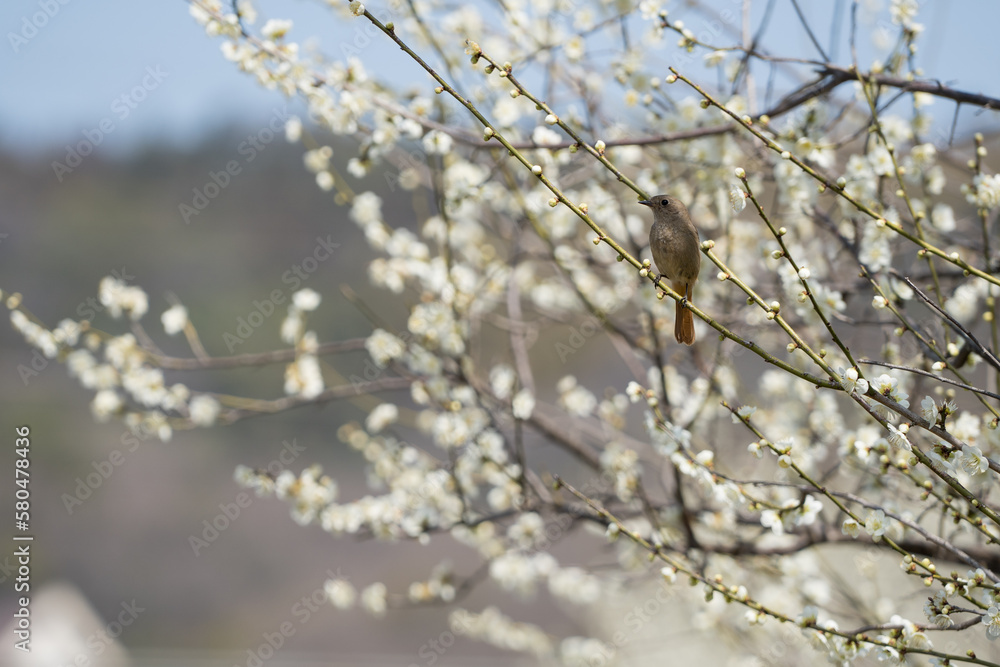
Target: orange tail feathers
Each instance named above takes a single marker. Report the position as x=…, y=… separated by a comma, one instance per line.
x=683, y=318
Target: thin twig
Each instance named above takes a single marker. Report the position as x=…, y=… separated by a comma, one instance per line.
x=255, y=359
x=917, y=371
x=812, y=37
x=980, y=349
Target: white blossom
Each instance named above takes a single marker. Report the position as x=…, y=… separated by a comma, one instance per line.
x=174, y=319
x=293, y=129
x=204, y=410
x=888, y=386
x=120, y=298
x=934, y=610
x=851, y=381
x=381, y=416
x=810, y=509
x=35, y=334
x=275, y=28
x=502, y=379
x=737, y=198
x=929, y=410
x=903, y=11
x=436, y=142
x=964, y=302
x=985, y=192
x=293, y=326
x=991, y=619
x=304, y=378
x=772, y=519
x=973, y=460
x=67, y=332
x=341, y=593
x=623, y=464
x=384, y=347
x=575, y=585
x=373, y=599
x=523, y=404
x=498, y=630
x=106, y=403
x=875, y=524
x=306, y=299
x=575, y=398
x=897, y=438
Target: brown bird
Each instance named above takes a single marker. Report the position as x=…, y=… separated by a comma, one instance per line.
x=674, y=242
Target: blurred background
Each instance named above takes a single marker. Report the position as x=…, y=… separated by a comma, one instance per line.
x=163, y=109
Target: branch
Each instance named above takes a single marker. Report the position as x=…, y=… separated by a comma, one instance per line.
x=254, y=359
x=256, y=408
x=986, y=354
x=935, y=88
x=918, y=371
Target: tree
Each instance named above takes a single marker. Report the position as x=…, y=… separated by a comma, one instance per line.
x=834, y=413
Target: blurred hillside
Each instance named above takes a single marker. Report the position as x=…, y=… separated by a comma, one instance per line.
x=130, y=538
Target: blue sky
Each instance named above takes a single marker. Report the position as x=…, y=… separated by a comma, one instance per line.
x=70, y=75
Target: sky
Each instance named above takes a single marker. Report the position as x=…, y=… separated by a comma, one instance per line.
x=65, y=65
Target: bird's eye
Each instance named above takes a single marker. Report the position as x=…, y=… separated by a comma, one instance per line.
x=664, y=202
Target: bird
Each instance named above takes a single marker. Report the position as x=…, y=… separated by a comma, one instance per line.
x=675, y=244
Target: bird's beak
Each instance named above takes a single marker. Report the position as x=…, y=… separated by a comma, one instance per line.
x=645, y=202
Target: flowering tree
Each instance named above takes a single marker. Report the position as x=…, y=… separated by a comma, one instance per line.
x=838, y=399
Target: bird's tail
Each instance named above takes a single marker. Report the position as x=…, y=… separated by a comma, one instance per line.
x=683, y=318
